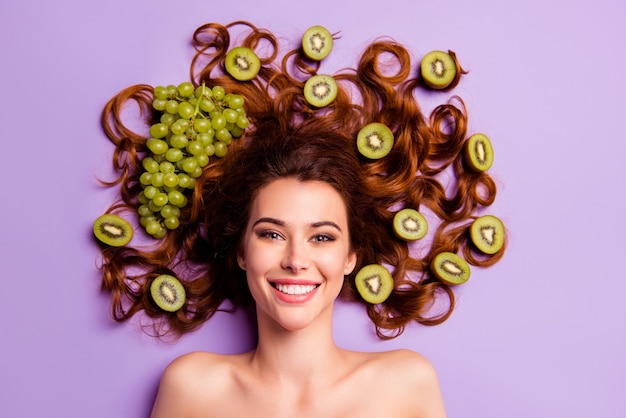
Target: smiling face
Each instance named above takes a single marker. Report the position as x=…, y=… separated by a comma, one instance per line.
x=296, y=251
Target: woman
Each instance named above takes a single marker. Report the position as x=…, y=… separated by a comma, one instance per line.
x=285, y=221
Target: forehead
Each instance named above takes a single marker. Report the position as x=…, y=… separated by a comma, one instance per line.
x=291, y=199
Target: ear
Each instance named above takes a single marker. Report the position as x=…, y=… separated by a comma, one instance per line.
x=241, y=260
x=350, y=263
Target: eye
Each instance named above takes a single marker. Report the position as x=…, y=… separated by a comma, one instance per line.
x=269, y=234
x=323, y=238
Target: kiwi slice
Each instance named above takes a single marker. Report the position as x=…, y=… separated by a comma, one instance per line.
x=450, y=268
x=317, y=42
x=168, y=293
x=242, y=63
x=438, y=69
x=487, y=233
x=374, y=283
x=113, y=230
x=409, y=224
x=479, y=152
x=320, y=90
x=374, y=140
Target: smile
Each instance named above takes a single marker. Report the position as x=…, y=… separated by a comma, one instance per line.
x=294, y=289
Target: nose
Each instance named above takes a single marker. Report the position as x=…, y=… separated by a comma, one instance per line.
x=296, y=257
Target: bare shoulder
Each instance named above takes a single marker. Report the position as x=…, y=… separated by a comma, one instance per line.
x=412, y=381
x=190, y=378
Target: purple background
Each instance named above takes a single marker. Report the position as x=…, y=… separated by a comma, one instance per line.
x=541, y=334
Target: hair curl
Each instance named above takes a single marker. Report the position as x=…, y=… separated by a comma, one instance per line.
x=289, y=138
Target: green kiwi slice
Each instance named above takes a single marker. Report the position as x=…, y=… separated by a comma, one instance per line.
x=317, y=42
x=374, y=140
x=242, y=63
x=168, y=293
x=374, y=283
x=478, y=152
x=112, y=230
x=487, y=233
x=320, y=90
x=409, y=224
x=438, y=69
x=450, y=268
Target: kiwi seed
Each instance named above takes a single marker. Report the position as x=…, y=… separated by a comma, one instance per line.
x=438, y=69
x=487, y=233
x=409, y=224
x=479, y=152
x=320, y=90
x=242, y=63
x=317, y=42
x=374, y=140
x=374, y=283
x=113, y=230
x=168, y=293
x=450, y=268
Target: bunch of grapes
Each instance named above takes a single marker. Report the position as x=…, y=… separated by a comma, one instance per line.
x=195, y=124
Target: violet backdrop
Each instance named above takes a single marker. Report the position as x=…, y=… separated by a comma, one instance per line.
x=541, y=334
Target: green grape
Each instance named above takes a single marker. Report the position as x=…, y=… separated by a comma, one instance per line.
x=174, y=155
x=203, y=91
x=160, y=92
x=223, y=135
x=168, y=210
x=236, y=132
x=144, y=220
x=160, y=199
x=157, y=180
x=229, y=126
x=150, y=165
x=154, y=207
x=161, y=233
x=190, y=164
x=185, y=110
x=206, y=105
x=171, y=107
x=243, y=122
x=176, y=198
x=218, y=121
x=185, y=181
x=220, y=149
x=235, y=101
x=171, y=222
x=201, y=125
x=144, y=179
x=209, y=150
x=171, y=90
x=185, y=89
x=170, y=180
x=197, y=172
x=159, y=130
x=179, y=127
x=158, y=158
x=166, y=167
x=159, y=104
x=203, y=159
x=157, y=146
x=230, y=115
x=205, y=138
x=167, y=119
x=144, y=210
x=141, y=198
x=178, y=141
x=190, y=133
x=150, y=192
x=218, y=92
x=195, y=148
x=152, y=227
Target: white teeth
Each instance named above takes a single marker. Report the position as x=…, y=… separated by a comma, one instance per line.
x=295, y=289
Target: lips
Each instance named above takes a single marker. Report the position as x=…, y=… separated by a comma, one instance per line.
x=294, y=292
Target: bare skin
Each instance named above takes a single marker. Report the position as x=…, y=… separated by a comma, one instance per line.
x=297, y=237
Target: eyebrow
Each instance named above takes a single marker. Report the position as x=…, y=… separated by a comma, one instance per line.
x=282, y=223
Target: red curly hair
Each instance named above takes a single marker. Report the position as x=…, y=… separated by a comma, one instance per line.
x=290, y=138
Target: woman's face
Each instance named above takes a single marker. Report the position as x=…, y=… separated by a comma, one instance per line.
x=296, y=251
